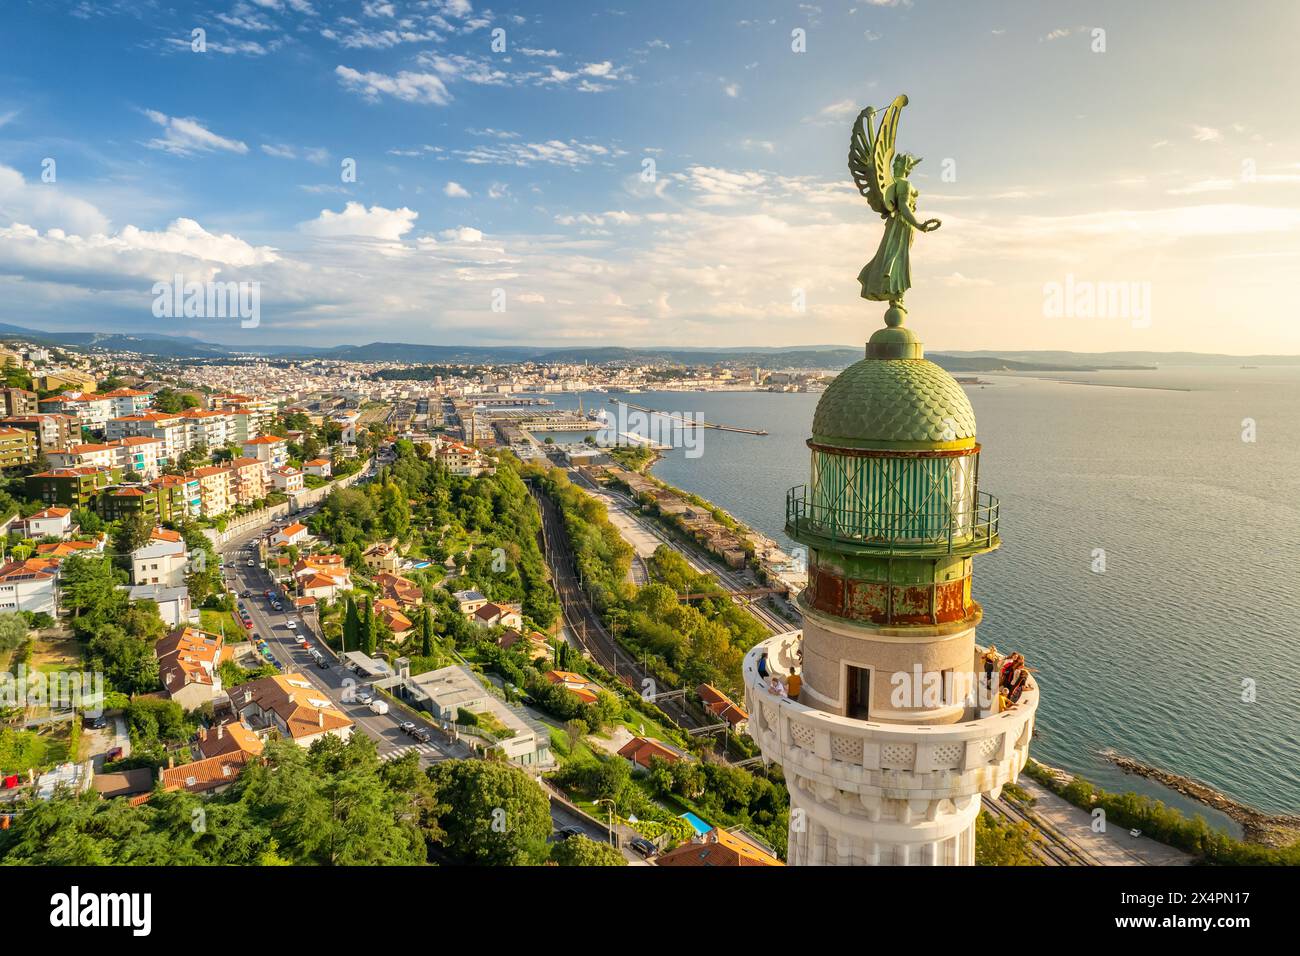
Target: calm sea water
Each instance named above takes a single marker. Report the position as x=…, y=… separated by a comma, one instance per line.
x=1201, y=534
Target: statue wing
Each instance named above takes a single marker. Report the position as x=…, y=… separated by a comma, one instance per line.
x=871, y=156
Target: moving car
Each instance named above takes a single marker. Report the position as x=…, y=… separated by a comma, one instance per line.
x=422, y=735
x=252, y=563
x=406, y=726
x=379, y=706
x=364, y=696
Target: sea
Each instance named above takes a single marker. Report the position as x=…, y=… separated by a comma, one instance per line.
x=1150, y=559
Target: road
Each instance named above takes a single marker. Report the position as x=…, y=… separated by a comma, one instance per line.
x=335, y=681
x=384, y=729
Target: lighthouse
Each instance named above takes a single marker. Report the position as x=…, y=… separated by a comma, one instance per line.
x=889, y=733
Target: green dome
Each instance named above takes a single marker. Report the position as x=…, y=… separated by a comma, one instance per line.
x=908, y=403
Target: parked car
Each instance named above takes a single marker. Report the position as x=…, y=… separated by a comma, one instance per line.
x=565, y=832
x=292, y=625
x=114, y=754
x=96, y=723
x=644, y=847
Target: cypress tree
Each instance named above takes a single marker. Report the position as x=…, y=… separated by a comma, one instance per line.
x=426, y=633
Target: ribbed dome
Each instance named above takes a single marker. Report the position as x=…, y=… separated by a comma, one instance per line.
x=911, y=403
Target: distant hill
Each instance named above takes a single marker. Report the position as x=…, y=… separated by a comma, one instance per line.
x=828, y=357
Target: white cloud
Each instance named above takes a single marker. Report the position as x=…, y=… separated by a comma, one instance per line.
x=406, y=86
x=389, y=225
x=1206, y=134
x=455, y=191
x=185, y=136
x=45, y=206
x=461, y=234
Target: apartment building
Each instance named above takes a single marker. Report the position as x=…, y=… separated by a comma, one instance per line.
x=19, y=401
x=17, y=447
x=249, y=480
x=269, y=449
x=74, y=487
x=216, y=489
x=53, y=431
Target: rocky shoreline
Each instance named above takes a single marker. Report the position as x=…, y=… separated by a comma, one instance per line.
x=1265, y=829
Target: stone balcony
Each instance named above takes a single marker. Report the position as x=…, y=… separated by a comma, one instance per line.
x=875, y=760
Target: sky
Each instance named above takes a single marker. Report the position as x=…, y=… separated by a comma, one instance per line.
x=1109, y=176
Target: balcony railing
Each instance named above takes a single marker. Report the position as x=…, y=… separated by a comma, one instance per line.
x=954, y=530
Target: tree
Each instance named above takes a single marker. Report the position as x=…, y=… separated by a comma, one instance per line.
x=500, y=816
x=369, y=633
x=351, y=626
x=575, y=730
x=426, y=632
x=582, y=851
x=86, y=583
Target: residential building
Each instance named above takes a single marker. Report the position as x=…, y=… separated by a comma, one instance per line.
x=723, y=707
x=17, y=447
x=494, y=615
x=291, y=705
x=469, y=602
x=249, y=480
x=209, y=775
x=271, y=450
x=74, y=487
x=719, y=848
x=287, y=480
x=53, y=431
x=585, y=690
x=290, y=535
x=216, y=489
x=320, y=467
x=174, y=605
x=390, y=612
x=161, y=561
x=641, y=750
x=29, y=585
x=54, y=379
x=397, y=588
x=53, y=522
x=179, y=495
x=188, y=661
x=382, y=557
x=19, y=402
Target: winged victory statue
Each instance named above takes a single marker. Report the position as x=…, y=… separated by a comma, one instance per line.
x=881, y=176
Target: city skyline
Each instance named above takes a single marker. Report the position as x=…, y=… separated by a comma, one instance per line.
x=647, y=176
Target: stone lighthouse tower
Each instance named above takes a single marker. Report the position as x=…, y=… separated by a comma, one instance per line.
x=891, y=734
x=890, y=741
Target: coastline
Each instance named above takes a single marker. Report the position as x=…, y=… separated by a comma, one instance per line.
x=1265, y=829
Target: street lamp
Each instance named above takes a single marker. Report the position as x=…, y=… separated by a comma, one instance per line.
x=612, y=842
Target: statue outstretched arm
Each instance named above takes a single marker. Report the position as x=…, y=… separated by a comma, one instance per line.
x=904, y=211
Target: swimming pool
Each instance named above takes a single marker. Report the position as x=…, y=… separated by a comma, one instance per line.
x=699, y=825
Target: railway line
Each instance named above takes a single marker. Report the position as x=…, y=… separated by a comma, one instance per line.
x=1054, y=849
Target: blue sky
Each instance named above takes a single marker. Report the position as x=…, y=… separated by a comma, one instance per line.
x=1168, y=159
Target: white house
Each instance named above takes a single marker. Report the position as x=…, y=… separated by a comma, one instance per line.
x=287, y=479
x=294, y=534
x=53, y=522
x=173, y=602
x=29, y=585
x=320, y=467
x=161, y=561
x=469, y=601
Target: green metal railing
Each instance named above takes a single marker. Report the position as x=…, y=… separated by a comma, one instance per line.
x=954, y=530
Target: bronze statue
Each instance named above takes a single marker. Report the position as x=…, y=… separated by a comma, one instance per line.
x=881, y=176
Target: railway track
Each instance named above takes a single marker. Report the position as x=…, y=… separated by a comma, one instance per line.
x=1054, y=849
x=582, y=622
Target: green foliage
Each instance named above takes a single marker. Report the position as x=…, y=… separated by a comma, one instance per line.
x=495, y=814
x=13, y=630
x=582, y=851
x=999, y=843
x=335, y=804
x=1165, y=824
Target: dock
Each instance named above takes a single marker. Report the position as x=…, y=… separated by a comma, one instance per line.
x=687, y=422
